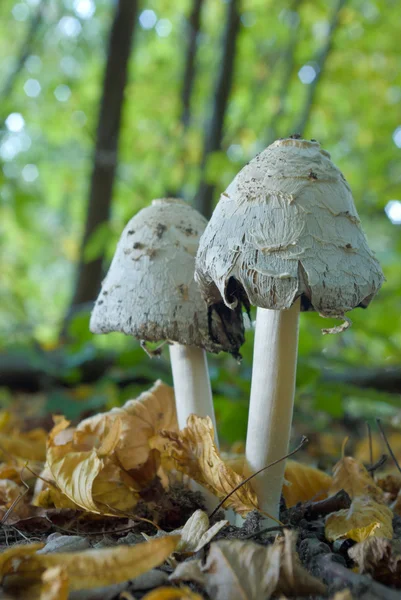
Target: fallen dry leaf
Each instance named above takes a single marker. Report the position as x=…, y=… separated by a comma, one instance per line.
x=169, y=593
x=189, y=570
x=368, y=515
x=101, y=465
x=380, y=558
x=195, y=534
x=304, y=483
x=20, y=565
x=391, y=485
x=194, y=453
x=236, y=570
x=14, y=443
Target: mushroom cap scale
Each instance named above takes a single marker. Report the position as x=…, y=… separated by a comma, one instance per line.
x=150, y=291
x=287, y=227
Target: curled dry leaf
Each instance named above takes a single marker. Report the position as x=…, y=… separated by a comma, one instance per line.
x=194, y=453
x=380, y=558
x=85, y=570
x=368, y=515
x=102, y=464
x=195, y=534
x=169, y=593
x=304, y=483
x=236, y=570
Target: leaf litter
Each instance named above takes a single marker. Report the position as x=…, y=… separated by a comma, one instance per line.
x=103, y=486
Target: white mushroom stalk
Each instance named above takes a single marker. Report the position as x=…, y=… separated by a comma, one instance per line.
x=272, y=400
x=150, y=293
x=285, y=235
x=193, y=392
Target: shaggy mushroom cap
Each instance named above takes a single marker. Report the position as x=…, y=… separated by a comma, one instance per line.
x=287, y=227
x=150, y=291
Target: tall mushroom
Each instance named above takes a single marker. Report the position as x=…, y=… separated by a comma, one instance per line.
x=284, y=237
x=150, y=293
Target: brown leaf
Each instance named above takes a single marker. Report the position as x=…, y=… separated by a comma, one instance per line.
x=368, y=515
x=194, y=453
x=380, y=558
x=236, y=570
x=102, y=464
x=391, y=485
x=87, y=569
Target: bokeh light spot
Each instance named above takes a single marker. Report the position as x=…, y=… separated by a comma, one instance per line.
x=15, y=122
x=307, y=74
x=393, y=211
x=32, y=88
x=147, y=19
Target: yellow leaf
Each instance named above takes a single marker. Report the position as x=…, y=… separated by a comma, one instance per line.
x=194, y=453
x=30, y=445
x=304, y=483
x=102, y=464
x=169, y=593
x=368, y=515
x=54, y=584
x=88, y=569
x=140, y=422
x=74, y=475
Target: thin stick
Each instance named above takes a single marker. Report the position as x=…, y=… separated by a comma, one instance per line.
x=302, y=443
x=397, y=464
x=379, y=463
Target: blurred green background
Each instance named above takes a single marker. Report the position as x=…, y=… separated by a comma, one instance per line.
x=209, y=83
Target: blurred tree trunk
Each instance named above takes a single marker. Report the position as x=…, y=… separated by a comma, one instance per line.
x=214, y=129
x=89, y=275
x=287, y=66
x=319, y=64
x=193, y=27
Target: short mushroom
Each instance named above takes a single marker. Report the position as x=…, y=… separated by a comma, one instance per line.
x=150, y=293
x=285, y=237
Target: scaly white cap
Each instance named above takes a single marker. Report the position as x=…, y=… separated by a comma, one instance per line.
x=287, y=227
x=150, y=291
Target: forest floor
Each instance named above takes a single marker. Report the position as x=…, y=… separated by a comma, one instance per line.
x=85, y=516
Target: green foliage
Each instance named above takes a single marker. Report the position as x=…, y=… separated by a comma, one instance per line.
x=355, y=114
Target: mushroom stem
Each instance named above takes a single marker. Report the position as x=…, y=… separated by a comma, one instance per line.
x=193, y=393
x=272, y=401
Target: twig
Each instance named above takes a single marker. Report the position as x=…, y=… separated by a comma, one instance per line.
x=397, y=464
x=338, y=501
x=378, y=463
x=302, y=443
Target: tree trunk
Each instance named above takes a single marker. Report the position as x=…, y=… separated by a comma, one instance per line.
x=214, y=130
x=90, y=273
x=193, y=27
x=319, y=64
